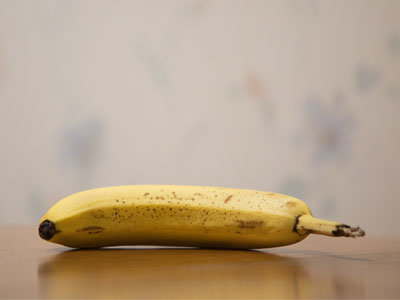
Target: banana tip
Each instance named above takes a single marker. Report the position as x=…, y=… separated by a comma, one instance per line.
x=347, y=231
x=47, y=230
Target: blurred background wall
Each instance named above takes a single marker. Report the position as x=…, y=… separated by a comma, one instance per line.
x=296, y=97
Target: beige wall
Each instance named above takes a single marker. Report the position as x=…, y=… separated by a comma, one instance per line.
x=297, y=97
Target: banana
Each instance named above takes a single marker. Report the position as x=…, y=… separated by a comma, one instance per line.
x=194, y=216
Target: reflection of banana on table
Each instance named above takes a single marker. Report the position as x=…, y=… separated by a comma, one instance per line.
x=183, y=216
x=172, y=273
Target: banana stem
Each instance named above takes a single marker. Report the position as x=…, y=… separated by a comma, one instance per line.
x=308, y=224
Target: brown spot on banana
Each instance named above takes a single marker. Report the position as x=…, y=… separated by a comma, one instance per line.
x=91, y=229
x=228, y=199
x=250, y=223
x=290, y=204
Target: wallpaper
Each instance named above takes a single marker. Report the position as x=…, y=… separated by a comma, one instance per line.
x=295, y=97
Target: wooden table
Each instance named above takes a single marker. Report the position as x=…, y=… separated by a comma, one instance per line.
x=318, y=267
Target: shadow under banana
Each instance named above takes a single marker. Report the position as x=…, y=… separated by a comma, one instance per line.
x=172, y=273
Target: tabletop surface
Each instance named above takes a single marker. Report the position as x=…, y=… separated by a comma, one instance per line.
x=318, y=267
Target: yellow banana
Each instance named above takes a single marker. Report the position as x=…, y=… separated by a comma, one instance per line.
x=169, y=215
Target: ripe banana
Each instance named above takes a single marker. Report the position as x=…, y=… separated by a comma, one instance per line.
x=169, y=215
